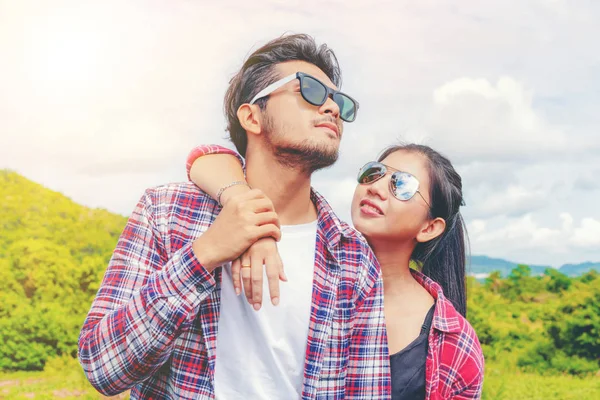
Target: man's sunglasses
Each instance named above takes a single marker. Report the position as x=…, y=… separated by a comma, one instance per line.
x=402, y=184
x=316, y=93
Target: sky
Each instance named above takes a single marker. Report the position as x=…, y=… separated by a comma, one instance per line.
x=100, y=100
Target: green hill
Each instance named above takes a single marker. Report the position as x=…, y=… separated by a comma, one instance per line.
x=53, y=253
x=31, y=211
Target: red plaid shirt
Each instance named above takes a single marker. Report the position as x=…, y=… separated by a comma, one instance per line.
x=153, y=324
x=454, y=366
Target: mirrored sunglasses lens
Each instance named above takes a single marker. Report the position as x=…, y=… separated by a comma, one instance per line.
x=371, y=172
x=313, y=91
x=405, y=185
x=347, y=107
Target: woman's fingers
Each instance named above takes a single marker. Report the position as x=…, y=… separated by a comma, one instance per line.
x=272, y=270
x=246, y=277
x=235, y=275
x=256, y=272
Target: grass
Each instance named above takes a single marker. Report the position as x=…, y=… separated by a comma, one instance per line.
x=498, y=385
x=49, y=385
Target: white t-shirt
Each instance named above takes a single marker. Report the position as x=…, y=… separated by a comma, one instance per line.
x=260, y=354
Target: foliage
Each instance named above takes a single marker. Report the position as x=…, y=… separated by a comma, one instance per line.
x=547, y=324
x=52, y=256
x=53, y=253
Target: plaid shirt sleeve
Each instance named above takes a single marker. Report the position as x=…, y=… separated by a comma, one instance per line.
x=468, y=383
x=144, y=302
x=205, y=150
x=473, y=392
x=368, y=373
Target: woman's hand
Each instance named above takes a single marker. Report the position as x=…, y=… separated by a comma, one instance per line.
x=244, y=219
x=262, y=258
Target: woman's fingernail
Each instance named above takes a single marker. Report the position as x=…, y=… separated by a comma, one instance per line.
x=256, y=306
x=275, y=300
x=237, y=291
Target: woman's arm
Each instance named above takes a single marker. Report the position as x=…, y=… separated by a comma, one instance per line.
x=214, y=167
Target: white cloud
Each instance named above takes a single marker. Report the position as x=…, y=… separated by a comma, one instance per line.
x=512, y=201
x=567, y=222
x=476, y=227
x=588, y=234
x=522, y=232
x=551, y=243
x=474, y=119
x=102, y=99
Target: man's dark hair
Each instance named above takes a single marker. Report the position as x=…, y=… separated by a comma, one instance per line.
x=258, y=72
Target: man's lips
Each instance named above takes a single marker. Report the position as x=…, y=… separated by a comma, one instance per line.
x=371, y=205
x=331, y=126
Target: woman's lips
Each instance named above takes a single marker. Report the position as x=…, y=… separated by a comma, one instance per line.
x=370, y=208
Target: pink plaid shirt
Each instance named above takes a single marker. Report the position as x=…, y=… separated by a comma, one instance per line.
x=454, y=366
x=152, y=327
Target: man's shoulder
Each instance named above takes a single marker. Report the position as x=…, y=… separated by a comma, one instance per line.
x=356, y=254
x=351, y=244
x=331, y=219
x=178, y=196
x=352, y=236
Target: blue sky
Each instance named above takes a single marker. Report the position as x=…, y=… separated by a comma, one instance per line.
x=100, y=100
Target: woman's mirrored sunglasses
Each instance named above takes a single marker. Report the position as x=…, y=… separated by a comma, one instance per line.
x=402, y=184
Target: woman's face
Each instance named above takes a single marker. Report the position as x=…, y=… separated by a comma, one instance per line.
x=378, y=215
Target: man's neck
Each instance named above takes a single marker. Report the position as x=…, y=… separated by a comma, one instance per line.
x=288, y=188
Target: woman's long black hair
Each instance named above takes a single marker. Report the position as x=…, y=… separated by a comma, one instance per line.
x=442, y=259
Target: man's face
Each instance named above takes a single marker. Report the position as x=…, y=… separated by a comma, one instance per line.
x=300, y=134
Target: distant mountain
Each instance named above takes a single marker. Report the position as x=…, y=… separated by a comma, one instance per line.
x=482, y=266
x=579, y=269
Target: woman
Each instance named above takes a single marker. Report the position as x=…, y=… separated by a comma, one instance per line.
x=407, y=207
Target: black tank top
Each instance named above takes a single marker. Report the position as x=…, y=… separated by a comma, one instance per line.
x=408, y=365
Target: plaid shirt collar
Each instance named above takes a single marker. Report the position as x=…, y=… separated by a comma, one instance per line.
x=329, y=223
x=445, y=317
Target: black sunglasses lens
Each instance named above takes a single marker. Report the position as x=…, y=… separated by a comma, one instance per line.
x=371, y=172
x=346, y=105
x=404, y=185
x=313, y=91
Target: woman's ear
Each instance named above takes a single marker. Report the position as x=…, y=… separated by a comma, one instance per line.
x=431, y=230
x=249, y=117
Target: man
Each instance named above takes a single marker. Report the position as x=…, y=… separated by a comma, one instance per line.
x=164, y=304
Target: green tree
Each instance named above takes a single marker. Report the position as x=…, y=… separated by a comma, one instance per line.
x=557, y=282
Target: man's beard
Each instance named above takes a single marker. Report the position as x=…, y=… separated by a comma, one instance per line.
x=305, y=156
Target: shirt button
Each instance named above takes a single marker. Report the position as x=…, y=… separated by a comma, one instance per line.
x=170, y=331
x=199, y=288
